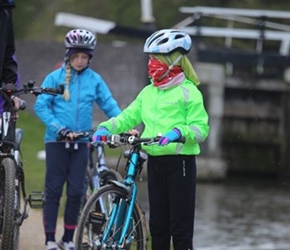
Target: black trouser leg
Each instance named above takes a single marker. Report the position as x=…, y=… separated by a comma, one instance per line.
x=171, y=187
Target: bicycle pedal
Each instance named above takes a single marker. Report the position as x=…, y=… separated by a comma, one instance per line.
x=36, y=199
x=97, y=220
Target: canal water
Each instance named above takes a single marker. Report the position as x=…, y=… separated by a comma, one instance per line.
x=239, y=214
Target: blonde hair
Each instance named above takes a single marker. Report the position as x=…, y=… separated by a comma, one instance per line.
x=66, y=94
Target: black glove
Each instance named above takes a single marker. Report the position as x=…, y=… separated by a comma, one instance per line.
x=64, y=133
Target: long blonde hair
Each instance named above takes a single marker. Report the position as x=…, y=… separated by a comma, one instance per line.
x=66, y=94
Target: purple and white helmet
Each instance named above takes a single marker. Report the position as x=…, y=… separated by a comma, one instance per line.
x=80, y=38
x=167, y=40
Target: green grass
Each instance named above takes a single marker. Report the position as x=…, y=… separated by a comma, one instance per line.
x=32, y=142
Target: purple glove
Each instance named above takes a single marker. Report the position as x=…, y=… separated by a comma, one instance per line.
x=170, y=136
x=100, y=135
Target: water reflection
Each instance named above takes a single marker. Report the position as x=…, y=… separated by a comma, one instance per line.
x=239, y=215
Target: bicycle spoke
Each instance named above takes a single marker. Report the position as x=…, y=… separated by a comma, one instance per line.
x=95, y=231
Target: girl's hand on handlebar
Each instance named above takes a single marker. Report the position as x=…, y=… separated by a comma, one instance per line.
x=67, y=134
x=16, y=101
x=134, y=132
x=170, y=136
x=100, y=135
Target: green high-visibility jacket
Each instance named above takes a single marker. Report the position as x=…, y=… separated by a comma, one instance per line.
x=160, y=111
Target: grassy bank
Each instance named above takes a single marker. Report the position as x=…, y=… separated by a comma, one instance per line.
x=32, y=142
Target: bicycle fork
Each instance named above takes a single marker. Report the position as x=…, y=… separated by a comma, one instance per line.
x=121, y=219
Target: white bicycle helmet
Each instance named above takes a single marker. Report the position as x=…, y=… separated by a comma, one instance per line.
x=168, y=40
x=80, y=38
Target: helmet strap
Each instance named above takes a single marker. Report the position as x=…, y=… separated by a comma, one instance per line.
x=172, y=64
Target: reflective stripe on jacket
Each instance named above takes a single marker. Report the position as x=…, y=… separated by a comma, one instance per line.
x=180, y=107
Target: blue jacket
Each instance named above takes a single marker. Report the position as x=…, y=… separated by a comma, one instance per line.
x=76, y=114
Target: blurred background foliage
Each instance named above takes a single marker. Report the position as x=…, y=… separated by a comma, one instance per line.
x=34, y=19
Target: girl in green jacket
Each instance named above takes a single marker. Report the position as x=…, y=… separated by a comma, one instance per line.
x=173, y=106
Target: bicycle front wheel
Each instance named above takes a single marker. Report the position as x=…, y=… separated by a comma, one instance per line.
x=9, y=230
x=94, y=221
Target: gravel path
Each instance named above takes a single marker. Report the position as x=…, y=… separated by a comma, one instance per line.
x=32, y=233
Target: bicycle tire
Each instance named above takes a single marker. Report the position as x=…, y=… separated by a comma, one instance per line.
x=17, y=212
x=87, y=234
x=9, y=229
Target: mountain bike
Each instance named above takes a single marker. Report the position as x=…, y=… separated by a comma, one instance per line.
x=112, y=218
x=12, y=182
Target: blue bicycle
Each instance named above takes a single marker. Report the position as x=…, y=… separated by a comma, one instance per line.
x=112, y=217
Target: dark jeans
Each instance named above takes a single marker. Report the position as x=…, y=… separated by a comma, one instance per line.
x=64, y=165
x=171, y=188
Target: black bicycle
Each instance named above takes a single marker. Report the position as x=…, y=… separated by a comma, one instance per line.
x=12, y=181
x=112, y=217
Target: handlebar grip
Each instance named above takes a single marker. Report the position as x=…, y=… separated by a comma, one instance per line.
x=181, y=139
x=78, y=135
x=22, y=105
x=52, y=90
x=61, y=89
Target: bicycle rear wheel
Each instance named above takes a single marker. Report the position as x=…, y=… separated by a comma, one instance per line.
x=9, y=205
x=95, y=216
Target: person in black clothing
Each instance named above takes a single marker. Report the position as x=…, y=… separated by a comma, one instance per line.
x=8, y=66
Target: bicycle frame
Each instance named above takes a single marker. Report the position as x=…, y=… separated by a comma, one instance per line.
x=96, y=167
x=12, y=174
x=122, y=213
x=11, y=149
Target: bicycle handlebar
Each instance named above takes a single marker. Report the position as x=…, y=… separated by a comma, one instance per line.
x=10, y=89
x=77, y=136
x=127, y=138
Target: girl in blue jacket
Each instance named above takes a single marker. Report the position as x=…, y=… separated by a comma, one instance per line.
x=64, y=115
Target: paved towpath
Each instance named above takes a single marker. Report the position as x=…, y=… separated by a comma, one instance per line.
x=32, y=233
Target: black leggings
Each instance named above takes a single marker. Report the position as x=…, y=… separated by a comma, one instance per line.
x=171, y=188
